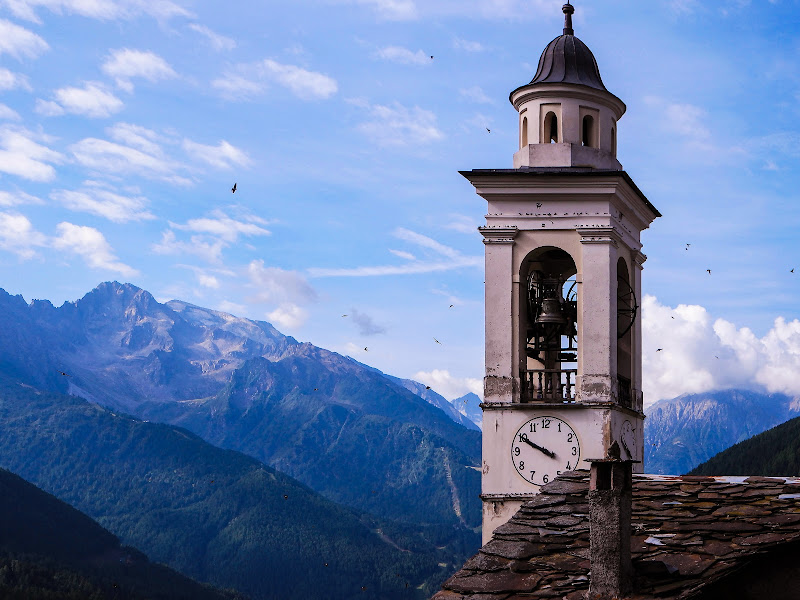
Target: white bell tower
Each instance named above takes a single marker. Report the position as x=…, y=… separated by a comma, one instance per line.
x=563, y=283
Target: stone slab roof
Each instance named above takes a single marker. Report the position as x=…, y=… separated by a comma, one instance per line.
x=687, y=532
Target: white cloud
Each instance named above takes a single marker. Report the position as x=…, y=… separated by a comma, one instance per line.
x=274, y=285
x=403, y=254
x=104, y=202
x=19, y=42
x=462, y=224
x=9, y=114
x=397, y=125
x=475, y=94
x=21, y=154
x=91, y=246
x=17, y=198
x=448, y=386
x=138, y=137
x=249, y=80
x=685, y=352
x=13, y=81
x=467, y=45
x=104, y=10
x=288, y=316
x=18, y=236
x=222, y=156
x=220, y=225
x=404, y=56
x=217, y=41
x=366, y=325
x=126, y=64
x=392, y=10
x=92, y=100
x=209, y=250
x=454, y=260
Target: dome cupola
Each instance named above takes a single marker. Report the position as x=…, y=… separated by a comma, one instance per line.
x=567, y=116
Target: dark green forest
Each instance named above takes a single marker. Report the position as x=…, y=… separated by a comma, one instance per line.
x=775, y=452
x=215, y=515
x=49, y=550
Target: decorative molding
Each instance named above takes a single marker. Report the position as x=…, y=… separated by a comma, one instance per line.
x=640, y=258
x=498, y=235
x=599, y=235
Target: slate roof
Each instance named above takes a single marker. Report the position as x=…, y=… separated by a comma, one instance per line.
x=687, y=532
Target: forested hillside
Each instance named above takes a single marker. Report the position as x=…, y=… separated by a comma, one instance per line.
x=773, y=453
x=49, y=550
x=215, y=515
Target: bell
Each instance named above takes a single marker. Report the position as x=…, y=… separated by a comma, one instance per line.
x=551, y=313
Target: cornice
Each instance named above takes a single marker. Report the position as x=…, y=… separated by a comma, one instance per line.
x=498, y=235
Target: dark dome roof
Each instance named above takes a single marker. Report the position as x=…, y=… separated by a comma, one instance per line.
x=568, y=60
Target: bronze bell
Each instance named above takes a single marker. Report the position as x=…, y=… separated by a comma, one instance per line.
x=551, y=313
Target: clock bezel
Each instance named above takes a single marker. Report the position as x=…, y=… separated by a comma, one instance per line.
x=556, y=472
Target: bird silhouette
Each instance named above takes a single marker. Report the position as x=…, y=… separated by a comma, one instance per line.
x=792, y=271
x=64, y=374
x=489, y=130
x=427, y=387
x=431, y=58
x=344, y=316
x=659, y=350
x=437, y=341
x=233, y=189
x=365, y=349
x=709, y=271
x=452, y=305
x=286, y=496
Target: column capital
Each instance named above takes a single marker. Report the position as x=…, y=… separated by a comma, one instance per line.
x=640, y=259
x=599, y=235
x=498, y=235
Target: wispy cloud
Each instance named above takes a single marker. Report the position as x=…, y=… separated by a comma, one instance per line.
x=125, y=64
x=475, y=94
x=397, y=125
x=18, y=236
x=17, y=198
x=93, y=100
x=365, y=324
x=222, y=156
x=217, y=41
x=454, y=260
x=92, y=246
x=462, y=224
x=404, y=56
x=390, y=10
x=104, y=201
x=245, y=81
x=13, y=81
x=467, y=45
x=448, y=386
x=104, y=10
x=21, y=154
x=19, y=42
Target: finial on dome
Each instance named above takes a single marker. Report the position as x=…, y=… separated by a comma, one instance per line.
x=568, y=11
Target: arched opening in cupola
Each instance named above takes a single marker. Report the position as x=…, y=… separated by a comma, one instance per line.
x=524, y=136
x=627, y=309
x=588, y=135
x=614, y=142
x=550, y=128
x=549, y=326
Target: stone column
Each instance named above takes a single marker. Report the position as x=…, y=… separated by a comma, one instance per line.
x=498, y=385
x=610, y=497
x=597, y=316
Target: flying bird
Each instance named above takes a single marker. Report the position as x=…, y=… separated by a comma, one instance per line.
x=64, y=374
x=286, y=496
x=431, y=58
x=344, y=316
x=709, y=271
x=365, y=349
x=452, y=305
x=437, y=341
x=489, y=130
x=659, y=350
x=687, y=246
x=792, y=271
x=233, y=189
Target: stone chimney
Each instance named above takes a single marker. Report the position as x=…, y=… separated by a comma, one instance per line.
x=610, y=496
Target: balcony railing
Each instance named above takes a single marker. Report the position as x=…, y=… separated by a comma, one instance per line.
x=549, y=385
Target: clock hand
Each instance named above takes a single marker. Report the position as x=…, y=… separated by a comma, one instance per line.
x=539, y=448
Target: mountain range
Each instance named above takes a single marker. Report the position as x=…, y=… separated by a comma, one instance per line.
x=683, y=432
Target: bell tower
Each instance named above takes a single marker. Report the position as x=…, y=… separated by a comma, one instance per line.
x=563, y=282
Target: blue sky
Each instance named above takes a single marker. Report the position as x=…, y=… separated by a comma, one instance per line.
x=124, y=124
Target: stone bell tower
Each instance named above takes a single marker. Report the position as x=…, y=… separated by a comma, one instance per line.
x=563, y=282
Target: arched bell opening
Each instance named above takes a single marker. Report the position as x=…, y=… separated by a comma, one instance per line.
x=627, y=308
x=549, y=326
x=550, y=128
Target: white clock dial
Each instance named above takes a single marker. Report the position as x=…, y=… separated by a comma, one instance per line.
x=543, y=448
x=627, y=438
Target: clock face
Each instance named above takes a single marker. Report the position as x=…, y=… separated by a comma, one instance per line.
x=543, y=448
x=627, y=439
